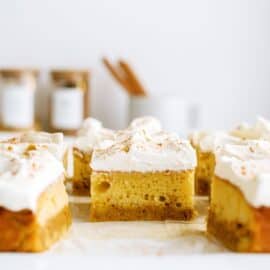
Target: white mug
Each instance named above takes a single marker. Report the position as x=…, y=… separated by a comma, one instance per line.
x=172, y=111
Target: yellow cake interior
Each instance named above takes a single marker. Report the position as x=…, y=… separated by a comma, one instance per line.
x=33, y=232
x=204, y=172
x=81, y=172
x=142, y=196
x=234, y=222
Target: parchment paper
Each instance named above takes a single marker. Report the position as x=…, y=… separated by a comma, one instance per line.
x=136, y=238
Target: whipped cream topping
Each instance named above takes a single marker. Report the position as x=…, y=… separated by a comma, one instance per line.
x=213, y=141
x=53, y=142
x=261, y=130
x=143, y=152
x=247, y=166
x=25, y=173
x=92, y=135
x=196, y=136
x=147, y=123
x=89, y=126
x=209, y=141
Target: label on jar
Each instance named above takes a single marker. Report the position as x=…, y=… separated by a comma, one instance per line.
x=17, y=106
x=67, y=108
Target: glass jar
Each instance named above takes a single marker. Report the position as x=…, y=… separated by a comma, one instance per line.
x=17, y=92
x=69, y=100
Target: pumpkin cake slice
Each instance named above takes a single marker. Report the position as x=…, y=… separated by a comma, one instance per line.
x=34, y=211
x=143, y=176
x=239, y=212
x=91, y=135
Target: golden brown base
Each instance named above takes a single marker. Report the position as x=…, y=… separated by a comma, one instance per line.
x=20, y=231
x=82, y=173
x=142, y=196
x=234, y=222
x=153, y=212
x=81, y=188
x=203, y=187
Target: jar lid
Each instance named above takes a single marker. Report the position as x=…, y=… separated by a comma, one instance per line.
x=69, y=77
x=17, y=72
x=57, y=74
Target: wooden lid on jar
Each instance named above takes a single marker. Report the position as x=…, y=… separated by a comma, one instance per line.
x=69, y=77
x=17, y=72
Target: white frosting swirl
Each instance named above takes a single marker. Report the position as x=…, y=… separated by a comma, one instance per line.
x=247, y=166
x=89, y=126
x=213, y=141
x=147, y=123
x=24, y=174
x=92, y=135
x=143, y=152
x=261, y=130
x=53, y=142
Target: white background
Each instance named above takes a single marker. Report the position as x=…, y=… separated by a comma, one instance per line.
x=216, y=53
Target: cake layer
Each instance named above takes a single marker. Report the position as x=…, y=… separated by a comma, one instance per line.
x=236, y=223
x=27, y=231
x=142, y=152
x=142, y=196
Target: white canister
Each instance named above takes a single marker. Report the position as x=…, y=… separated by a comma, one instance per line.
x=172, y=111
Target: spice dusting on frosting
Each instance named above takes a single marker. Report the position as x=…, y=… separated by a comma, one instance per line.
x=138, y=150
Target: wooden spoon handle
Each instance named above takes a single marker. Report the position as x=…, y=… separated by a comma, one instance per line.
x=132, y=78
x=117, y=76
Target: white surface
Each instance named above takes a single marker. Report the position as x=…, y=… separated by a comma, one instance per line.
x=192, y=262
x=216, y=53
x=67, y=108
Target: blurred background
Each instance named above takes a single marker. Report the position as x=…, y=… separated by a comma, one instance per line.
x=213, y=55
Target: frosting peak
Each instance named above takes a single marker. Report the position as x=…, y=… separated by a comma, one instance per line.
x=89, y=125
x=261, y=130
x=92, y=134
x=147, y=123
